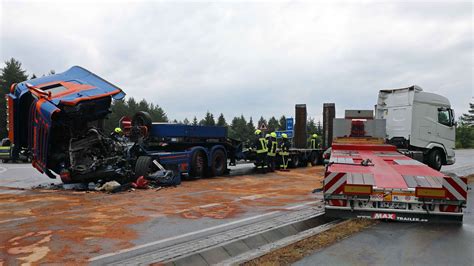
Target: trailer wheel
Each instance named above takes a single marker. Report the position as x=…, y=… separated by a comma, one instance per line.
x=143, y=166
x=218, y=163
x=435, y=159
x=198, y=165
x=315, y=159
x=295, y=161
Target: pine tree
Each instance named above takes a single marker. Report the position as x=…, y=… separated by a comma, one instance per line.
x=311, y=126
x=33, y=76
x=130, y=107
x=10, y=73
x=282, y=125
x=186, y=121
x=208, y=120
x=468, y=119
x=195, y=121
x=250, y=132
x=221, y=121
x=319, y=127
x=273, y=124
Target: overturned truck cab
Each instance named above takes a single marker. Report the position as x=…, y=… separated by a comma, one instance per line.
x=59, y=118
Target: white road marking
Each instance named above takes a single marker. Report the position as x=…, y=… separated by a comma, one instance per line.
x=195, y=232
x=12, y=220
x=3, y=169
x=209, y=205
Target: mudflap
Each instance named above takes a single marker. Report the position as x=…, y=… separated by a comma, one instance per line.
x=394, y=216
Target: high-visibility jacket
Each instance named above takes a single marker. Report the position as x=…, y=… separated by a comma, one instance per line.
x=313, y=143
x=272, y=144
x=261, y=145
x=284, y=148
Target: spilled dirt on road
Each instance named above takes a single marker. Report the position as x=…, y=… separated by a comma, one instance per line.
x=47, y=226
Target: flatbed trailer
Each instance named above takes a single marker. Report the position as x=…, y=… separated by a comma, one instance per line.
x=375, y=181
x=200, y=151
x=193, y=151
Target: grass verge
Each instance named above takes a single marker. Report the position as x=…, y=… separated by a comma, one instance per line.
x=305, y=247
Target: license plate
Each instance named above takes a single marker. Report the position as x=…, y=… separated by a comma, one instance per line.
x=392, y=205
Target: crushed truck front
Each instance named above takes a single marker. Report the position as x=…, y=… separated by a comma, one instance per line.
x=58, y=119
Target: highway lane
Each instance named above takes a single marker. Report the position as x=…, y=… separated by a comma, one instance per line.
x=71, y=226
x=392, y=243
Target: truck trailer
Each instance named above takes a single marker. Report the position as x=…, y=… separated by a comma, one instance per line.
x=367, y=177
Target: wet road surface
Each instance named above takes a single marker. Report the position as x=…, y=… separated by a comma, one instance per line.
x=47, y=226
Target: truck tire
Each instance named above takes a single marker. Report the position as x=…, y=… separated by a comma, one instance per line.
x=142, y=119
x=143, y=166
x=198, y=165
x=435, y=159
x=295, y=161
x=218, y=163
x=315, y=159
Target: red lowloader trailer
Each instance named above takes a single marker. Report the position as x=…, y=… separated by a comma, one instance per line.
x=366, y=178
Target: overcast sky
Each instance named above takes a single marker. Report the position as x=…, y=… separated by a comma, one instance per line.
x=254, y=59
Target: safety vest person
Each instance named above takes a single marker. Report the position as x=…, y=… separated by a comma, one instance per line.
x=267, y=139
x=284, y=151
x=314, y=141
x=261, y=149
x=118, y=134
x=272, y=151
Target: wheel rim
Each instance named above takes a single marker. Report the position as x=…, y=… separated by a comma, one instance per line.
x=438, y=160
x=296, y=161
x=218, y=164
x=199, y=165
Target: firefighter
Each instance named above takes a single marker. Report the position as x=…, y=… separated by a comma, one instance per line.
x=314, y=141
x=118, y=134
x=267, y=139
x=261, y=148
x=272, y=147
x=284, y=151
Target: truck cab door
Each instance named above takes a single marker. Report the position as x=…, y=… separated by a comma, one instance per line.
x=445, y=128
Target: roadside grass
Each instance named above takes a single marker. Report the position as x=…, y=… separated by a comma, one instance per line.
x=305, y=247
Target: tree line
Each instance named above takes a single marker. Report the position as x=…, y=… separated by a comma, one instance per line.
x=465, y=129
x=242, y=129
x=239, y=127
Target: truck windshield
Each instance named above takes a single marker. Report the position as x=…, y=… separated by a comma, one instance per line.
x=54, y=89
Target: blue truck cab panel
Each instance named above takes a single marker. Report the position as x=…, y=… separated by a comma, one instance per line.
x=45, y=113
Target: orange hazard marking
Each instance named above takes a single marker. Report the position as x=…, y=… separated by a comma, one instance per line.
x=46, y=226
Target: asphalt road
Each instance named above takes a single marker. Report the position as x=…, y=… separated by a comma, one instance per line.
x=51, y=226
x=392, y=243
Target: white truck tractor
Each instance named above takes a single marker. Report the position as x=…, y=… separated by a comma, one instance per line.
x=419, y=123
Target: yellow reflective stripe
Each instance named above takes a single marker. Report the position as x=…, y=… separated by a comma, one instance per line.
x=313, y=143
x=263, y=145
x=272, y=151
